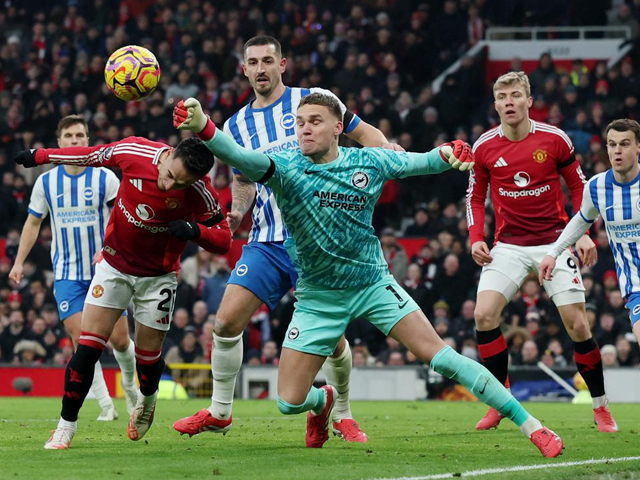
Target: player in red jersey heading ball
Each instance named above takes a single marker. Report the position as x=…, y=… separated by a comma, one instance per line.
x=165, y=199
x=524, y=160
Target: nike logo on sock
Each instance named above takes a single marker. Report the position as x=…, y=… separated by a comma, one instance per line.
x=484, y=387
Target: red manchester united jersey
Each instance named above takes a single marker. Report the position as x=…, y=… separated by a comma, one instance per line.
x=137, y=239
x=524, y=177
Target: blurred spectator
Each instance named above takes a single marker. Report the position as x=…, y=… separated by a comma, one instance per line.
x=178, y=325
x=214, y=285
x=609, y=355
x=28, y=353
x=415, y=287
x=423, y=226
x=269, y=354
x=12, y=334
x=529, y=354
x=464, y=326
x=451, y=285
x=394, y=254
x=626, y=356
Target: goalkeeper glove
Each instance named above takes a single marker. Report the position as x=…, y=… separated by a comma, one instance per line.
x=458, y=154
x=188, y=115
x=26, y=158
x=184, y=230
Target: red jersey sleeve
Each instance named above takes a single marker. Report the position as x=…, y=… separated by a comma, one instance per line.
x=99, y=156
x=476, y=197
x=108, y=155
x=569, y=169
x=215, y=235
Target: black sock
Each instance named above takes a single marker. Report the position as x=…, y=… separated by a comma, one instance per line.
x=149, y=376
x=77, y=380
x=493, y=353
x=589, y=363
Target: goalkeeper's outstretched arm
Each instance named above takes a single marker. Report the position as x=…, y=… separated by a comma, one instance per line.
x=188, y=115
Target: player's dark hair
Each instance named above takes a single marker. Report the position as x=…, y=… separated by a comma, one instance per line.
x=195, y=156
x=69, y=121
x=324, y=100
x=263, y=40
x=625, y=125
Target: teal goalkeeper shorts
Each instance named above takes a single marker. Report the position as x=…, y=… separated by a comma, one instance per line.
x=321, y=316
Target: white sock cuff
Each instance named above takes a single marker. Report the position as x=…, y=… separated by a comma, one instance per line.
x=226, y=342
x=345, y=353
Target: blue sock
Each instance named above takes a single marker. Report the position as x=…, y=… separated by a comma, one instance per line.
x=315, y=401
x=479, y=381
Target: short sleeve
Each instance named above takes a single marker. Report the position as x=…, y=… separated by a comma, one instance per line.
x=113, y=184
x=564, y=148
x=589, y=209
x=38, y=206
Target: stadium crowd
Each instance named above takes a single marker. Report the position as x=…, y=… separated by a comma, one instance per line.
x=380, y=58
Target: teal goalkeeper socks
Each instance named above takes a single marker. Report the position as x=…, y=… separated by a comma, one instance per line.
x=479, y=381
x=315, y=401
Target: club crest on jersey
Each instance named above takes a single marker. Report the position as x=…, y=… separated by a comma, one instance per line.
x=145, y=212
x=540, y=155
x=288, y=120
x=522, y=179
x=636, y=310
x=638, y=204
x=172, y=203
x=88, y=193
x=241, y=270
x=293, y=333
x=106, y=155
x=97, y=291
x=360, y=180
x=64, y=306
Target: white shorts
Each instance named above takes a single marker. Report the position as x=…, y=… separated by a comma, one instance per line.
x=513, y=263
x=153, y=298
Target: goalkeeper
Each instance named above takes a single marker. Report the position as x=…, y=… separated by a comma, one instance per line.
x=327, y=194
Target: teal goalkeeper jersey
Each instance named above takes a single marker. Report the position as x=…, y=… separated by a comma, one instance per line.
x=328, y=209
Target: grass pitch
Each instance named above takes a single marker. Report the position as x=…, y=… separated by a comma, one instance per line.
x=407, y=439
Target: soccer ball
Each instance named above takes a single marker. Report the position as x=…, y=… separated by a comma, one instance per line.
x=579, y=382
x=132, y=72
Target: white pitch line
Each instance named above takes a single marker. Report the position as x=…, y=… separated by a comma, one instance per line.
x=517, y=468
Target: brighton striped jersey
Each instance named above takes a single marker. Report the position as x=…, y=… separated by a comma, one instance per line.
x=329, y=207
x=619, y=205
x=272, y=130
x=78, y=205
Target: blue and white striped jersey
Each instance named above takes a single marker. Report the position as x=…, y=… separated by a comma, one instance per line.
x=272, y=130
x=619, y=205
x=79, y=215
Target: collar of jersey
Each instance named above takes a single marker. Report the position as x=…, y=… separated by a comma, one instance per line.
x=278, y=101
x=64, y=172
x=630, y=182
x=324, y=166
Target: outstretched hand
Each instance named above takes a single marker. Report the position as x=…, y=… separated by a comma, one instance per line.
x=188, y=115
x=458, y=154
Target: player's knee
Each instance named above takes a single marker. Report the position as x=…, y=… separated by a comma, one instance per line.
x=224, y=327
x=120, y=342
x=486, y=318
x=287, y=408
x=579, y=330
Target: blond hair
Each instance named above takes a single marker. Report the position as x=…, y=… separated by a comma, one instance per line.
x=510, y=78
